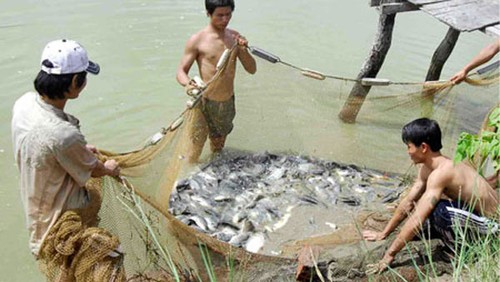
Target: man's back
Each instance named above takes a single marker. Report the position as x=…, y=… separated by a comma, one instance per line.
x=54, y=163
x=462, y=182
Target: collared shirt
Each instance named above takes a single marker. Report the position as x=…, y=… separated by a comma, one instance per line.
x=53, y=162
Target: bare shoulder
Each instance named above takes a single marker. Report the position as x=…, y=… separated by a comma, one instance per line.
x=443, y=175
x=196, y=38
x=232, y=32
x=423, y=173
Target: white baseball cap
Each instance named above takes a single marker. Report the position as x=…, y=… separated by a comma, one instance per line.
x=66, y=56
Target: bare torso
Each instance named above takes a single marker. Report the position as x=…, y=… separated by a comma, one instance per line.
x=465, y=184
x=211, y=46
x=206, y=47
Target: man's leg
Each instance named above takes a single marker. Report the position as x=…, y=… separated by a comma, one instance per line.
x=441, y=224
x=219, y=118
x=217, y=143
x=456, y=224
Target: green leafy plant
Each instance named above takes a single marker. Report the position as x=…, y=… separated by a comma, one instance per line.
x=479, y=147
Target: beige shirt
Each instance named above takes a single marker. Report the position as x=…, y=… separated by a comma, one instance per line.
x=53, y=161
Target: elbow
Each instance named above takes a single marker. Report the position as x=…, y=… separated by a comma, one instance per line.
x=182, y=76
x=179, y=80
x=178, y=76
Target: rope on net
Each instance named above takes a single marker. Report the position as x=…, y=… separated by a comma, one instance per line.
x=369, y=81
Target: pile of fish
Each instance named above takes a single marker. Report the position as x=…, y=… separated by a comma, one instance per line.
x=238, y=198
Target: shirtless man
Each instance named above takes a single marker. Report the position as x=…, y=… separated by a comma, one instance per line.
x=442, y=192
x=206, y=47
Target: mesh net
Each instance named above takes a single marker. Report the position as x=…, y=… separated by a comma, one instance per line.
x=299, y=118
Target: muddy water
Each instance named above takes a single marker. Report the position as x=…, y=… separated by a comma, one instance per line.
x=138, y=45
x=306, y=222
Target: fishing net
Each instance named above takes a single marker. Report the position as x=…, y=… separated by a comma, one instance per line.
x=294, y=123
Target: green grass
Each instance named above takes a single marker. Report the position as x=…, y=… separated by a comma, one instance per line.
x=478, y=259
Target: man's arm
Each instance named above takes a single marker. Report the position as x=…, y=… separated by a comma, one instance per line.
x=414, y=223
x=404, y=208
x=110, y=167
x=435, y=187
x=494, y=179
x=484, y=55
x=190, y=55
x=246, y=58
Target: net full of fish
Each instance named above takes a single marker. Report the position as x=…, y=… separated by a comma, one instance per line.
x=241, y=198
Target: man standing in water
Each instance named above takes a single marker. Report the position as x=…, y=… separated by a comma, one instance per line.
x=444, y=193
x=51, y=153
x=206, y=47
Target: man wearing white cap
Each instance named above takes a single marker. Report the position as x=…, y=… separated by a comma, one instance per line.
x=51, y=153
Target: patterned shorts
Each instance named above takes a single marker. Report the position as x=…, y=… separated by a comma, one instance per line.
x=452, y=222
x=219, y=116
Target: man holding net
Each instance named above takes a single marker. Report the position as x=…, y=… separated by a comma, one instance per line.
x=445, y=196
x=55, y=163
x=209, y=47
x=482, y=57
x=486, y=54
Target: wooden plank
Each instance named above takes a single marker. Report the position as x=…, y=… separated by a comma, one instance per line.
x=424, y=2
x=465, y=15
x=376, y=3
x=454, y=4
x=462, y=15
x=493, y=30
x=394, y=8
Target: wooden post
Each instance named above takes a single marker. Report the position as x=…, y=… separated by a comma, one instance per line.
x=370, y=68
x=442, y=54
x=439, y=58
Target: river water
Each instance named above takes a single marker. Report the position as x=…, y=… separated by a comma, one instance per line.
x=139, y=44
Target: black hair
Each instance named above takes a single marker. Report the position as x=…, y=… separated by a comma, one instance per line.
x=54, y=86
x=211, y=5
x=423, y=130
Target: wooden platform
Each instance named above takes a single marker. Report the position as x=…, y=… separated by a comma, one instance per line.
x=462, y=15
